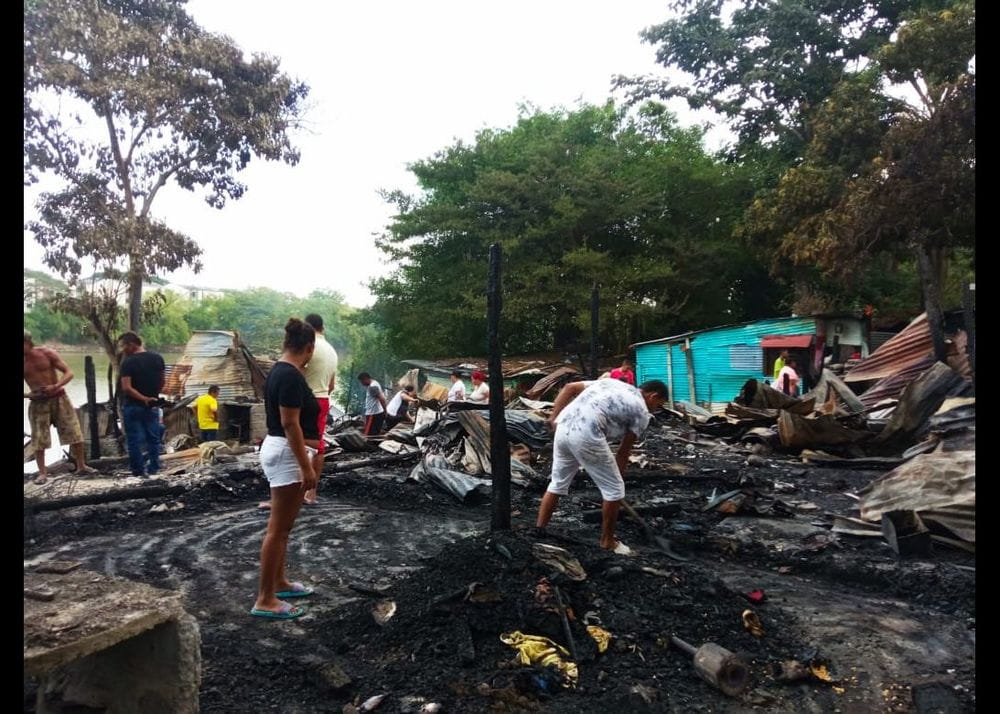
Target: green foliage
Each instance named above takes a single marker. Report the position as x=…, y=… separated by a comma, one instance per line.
x=49, y=325
x=176, y=104
x=593, y=195
x=371, y=351
x=767, y=66
x=169, y=328
x=870, y=180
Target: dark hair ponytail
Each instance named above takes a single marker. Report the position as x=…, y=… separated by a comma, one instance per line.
x=298, y=335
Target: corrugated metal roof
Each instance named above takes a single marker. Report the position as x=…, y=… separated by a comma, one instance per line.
x=514, y=366
x=175, y=375
x=210, y=343
x=790, y=341
x=769, y=320
x=877, y=338
x=218, y=357
x=892, y=386
x=909, y=348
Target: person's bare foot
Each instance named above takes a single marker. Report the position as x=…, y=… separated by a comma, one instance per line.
x=85, y=471
x=40, y=479
x=264, y=505
x=617, y=547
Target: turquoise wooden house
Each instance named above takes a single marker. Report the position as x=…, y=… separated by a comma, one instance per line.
x=713, y=364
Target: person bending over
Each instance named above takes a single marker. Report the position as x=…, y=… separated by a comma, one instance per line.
x=399, y=406
x=585, y=417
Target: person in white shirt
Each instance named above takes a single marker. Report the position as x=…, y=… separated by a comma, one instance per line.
x=793, y=378
x=321, y=376
x=398, y=406
x=457, y=391
x=585, y=417
x=374, y=404
x=480, y=389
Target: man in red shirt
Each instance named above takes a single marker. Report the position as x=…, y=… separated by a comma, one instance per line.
x=626, y=373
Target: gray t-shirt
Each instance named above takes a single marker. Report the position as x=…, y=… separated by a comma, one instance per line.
x=605, y=409
x=372, y=404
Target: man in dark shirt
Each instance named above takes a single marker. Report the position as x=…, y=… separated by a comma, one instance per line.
x=142, y=374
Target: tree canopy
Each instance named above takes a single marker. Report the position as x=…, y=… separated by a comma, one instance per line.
x=870, y=104
x=632, y=202
x=122, y=98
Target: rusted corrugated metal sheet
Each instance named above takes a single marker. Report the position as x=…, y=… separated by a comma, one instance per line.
x=218, y=357
x=907, y=349
x=175, y=375
x=514, y=366
x=891, y=387
x=940, y=486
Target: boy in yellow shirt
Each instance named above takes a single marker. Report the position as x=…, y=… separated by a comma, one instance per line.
x=207, y=408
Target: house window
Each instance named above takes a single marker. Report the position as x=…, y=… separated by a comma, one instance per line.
x=746, y=358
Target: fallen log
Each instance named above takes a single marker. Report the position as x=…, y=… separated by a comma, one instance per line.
x=650, y=476
x=374, y=461
x=93, y=499
x=666, y=509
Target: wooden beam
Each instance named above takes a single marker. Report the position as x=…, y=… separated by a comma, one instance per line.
x=90, y=379
x=499, y=451
x=690, y=369
x=595, y=322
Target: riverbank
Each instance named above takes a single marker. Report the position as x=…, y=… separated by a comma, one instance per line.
x=92, y=348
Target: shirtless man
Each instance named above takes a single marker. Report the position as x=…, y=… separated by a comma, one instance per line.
x=49, y=405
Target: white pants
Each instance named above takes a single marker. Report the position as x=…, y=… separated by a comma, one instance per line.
x=281, y=468
x=575, y=450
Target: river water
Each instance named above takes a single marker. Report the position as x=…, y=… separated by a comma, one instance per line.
x=77, y=391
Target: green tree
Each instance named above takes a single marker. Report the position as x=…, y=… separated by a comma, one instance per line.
x=46, y=324
x=632, y=202
x=881, y=176
x=873, y=179
x=170, y=328
x=766, y=67
x=177, y=104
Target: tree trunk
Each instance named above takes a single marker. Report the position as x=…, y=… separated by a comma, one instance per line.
x=134, y=298
x=931, y=288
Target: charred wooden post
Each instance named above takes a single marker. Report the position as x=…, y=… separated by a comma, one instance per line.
x=499, y=453
x=113, y=405
x=932, y=304
x=90, y=379
x=969, y=303
x=595, y=324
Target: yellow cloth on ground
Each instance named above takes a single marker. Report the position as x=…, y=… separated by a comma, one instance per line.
x=207, y=408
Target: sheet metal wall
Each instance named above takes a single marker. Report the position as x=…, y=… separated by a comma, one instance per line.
x=716, y=381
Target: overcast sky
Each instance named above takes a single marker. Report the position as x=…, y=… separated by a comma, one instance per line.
x=391, y=83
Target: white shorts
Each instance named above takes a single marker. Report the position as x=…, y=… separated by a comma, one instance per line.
x=281, y=468
x=573, y=451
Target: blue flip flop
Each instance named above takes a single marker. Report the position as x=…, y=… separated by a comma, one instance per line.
x=298, y=590
x=287, y=611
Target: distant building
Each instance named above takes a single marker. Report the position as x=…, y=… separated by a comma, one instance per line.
x=187, y=292
x=38, y=286
x=195, y=293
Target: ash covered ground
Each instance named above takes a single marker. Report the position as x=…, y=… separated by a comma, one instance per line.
x=896, y=635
